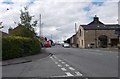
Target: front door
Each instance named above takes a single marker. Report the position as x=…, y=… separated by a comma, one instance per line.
x=103, y=41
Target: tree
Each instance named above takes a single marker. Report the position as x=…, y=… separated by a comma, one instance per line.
x=25, y=20
x=1, y=25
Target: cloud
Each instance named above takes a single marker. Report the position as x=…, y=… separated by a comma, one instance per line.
x=108, y=12
x=59, y=16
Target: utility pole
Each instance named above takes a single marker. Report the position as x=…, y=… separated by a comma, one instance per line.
x=119, y=21
x=76, y=35
x=75, y=28
x=51, y=36
x=40, y=26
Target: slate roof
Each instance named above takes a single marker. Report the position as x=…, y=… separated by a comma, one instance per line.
x=97, y=25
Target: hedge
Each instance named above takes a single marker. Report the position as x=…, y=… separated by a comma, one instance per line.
x=15, y=46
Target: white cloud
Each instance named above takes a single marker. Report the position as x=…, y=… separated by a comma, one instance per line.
x=1, y=1
x=59, y=16
x=108, y=12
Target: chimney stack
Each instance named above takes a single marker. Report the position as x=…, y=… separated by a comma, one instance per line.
x=96, y=19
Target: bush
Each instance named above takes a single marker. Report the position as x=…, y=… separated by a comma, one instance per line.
x=15, y=46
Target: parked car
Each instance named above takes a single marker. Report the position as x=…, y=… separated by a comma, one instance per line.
x=66, y=45
x=47, y=44
x=91, y=45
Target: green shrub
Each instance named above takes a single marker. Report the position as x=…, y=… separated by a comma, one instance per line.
x=15, y=46
x=118, y=47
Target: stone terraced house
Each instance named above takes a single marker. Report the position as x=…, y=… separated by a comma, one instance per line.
x=96, y=34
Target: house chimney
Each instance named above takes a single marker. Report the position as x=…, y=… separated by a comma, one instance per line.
x=96, y=19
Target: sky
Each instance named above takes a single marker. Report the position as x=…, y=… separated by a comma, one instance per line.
x=59, y=16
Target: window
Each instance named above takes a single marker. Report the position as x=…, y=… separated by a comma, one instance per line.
x=82, y=42
x=80, y=32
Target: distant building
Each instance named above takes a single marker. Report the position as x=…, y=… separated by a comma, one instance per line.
x=21, y=31
x=13, y=31
x=96, y=34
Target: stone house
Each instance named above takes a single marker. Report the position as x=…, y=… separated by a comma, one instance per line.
x=97, y=34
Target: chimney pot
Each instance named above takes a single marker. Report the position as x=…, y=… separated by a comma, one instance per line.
x=96, y=18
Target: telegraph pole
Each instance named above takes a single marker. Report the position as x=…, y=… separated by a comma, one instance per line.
x=75, y=28
x=51, y=36
x=76, y=35
x=40, y=26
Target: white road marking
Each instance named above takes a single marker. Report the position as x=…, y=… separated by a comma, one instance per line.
x=71, y=68
x=78, y=74
x=63, y=62
x=56, y=62
x=59, y=65
x=69, y=74
x=67, y=65
x=63, y=69
x=60, y=60
x=51, y=57
x=54, y=56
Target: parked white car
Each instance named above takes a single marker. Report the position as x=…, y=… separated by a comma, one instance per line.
x=66, y=45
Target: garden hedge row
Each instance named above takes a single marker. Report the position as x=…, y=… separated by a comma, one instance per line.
x=15, y=46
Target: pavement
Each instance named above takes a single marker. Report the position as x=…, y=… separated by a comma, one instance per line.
x=26, y=59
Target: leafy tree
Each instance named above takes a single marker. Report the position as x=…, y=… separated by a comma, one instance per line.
x=1, y=25
x=25, y=20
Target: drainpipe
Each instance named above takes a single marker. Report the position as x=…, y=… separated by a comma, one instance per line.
x=95, y=38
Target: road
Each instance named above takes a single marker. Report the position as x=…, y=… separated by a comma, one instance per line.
x=67, y=62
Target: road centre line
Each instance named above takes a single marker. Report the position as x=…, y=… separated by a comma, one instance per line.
x=54, y=56
x=78, y=74
x=51, y=57
x=63, y=62
x=57, y=61
x=67, y=65
x=71, y=68
x=64, y=69
x=60, y=60
x=69, y=74
x=59, y=65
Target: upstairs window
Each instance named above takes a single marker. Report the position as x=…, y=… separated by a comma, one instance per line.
x=80, y=32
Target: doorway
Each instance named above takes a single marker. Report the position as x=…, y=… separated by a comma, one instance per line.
x=114, y=42
x=103, y=41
